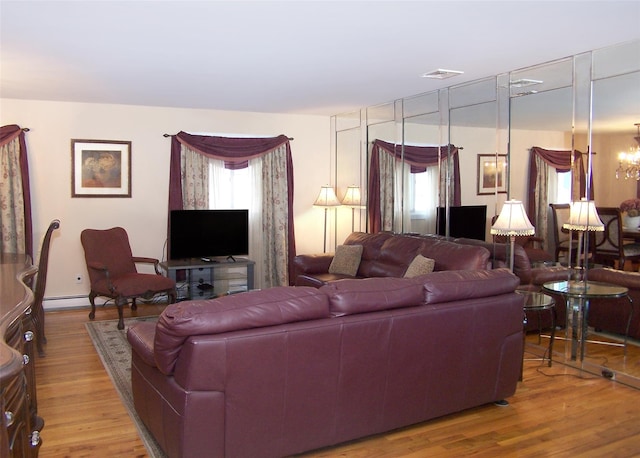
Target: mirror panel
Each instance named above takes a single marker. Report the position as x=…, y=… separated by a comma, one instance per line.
x=589, y=102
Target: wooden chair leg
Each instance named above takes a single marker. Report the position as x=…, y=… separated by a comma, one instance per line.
x=120, y=305
x=92, y=300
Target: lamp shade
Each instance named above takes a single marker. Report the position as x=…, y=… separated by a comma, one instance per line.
x=513, y=220
x=352, y=197
x=584, y=217
x=327, y=198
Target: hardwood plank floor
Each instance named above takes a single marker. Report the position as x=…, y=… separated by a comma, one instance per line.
x=555, y=412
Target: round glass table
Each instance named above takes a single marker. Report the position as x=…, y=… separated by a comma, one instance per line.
x=577, y=295
x=538, y=302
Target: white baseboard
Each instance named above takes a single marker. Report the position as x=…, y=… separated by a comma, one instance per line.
x=65, y=302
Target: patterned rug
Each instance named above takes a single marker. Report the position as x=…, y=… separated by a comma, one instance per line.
x=115, y=353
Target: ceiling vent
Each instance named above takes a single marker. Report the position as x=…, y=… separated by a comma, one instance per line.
x=441, y=74
x=525, y=82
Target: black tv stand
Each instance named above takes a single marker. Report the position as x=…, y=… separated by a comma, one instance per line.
x=203, y=279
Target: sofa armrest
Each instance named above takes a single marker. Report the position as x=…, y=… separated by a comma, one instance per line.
x=141, y=336
x=312, y=263
x=539, y=275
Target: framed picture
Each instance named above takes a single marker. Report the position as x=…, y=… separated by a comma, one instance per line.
x=100, y=168
x=492, y=173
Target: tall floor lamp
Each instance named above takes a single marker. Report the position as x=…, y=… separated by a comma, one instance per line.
x=583, y=217
x=512, y=222
x=327, y=198
x=352, y=199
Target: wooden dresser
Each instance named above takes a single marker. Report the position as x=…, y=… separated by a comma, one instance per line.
x=21, y=425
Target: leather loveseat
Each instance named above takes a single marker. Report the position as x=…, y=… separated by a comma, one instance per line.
x=284, y=370
x=386, y=254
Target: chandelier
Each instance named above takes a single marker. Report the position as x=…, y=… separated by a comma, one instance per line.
x=629, y=163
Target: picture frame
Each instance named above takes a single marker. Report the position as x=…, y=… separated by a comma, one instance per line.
x=100, y=168
x=492, y=174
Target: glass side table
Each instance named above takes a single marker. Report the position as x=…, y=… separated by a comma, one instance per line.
x=577, y=295
x=538, y=302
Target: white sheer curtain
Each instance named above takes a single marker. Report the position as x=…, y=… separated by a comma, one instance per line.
x=242, y=189
x=425, y=201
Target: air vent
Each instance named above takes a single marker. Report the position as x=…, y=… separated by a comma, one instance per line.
x=525, y=82
x=441, y=74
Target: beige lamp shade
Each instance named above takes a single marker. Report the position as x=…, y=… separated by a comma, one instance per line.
x=584, y=217
x=327, y=198
x=513, y=220
x=352, y=197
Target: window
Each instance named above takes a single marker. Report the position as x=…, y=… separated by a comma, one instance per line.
x=229, y=189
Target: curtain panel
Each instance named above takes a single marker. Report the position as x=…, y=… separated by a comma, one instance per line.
x=15, y=195
x=236, y=152
x=419, y=158
x=562, y=161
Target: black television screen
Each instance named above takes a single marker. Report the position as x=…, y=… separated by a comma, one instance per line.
x=208, y=233
x=469, y=221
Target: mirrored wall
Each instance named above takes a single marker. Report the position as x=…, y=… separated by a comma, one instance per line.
x=589, y=102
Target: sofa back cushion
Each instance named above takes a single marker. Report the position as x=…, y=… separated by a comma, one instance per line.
x=448, y=286
x=351, y=296
x=454, y=256
x=252, y=309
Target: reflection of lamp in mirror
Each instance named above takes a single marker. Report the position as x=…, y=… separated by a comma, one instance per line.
x=327, y=198
x=512, y=222
x=583, y=217
x=629, y=163
x=352, y=199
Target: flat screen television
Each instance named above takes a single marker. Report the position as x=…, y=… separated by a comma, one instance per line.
x=208, y=234
x=467, y=221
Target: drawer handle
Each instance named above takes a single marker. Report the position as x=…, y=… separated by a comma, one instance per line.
x=28, y=336
x=9, y=417
x=25, y=359
x=35, y=438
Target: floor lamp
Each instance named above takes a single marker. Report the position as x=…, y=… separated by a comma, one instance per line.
x=327, y=198
x=583, y=217
x=352, y=199
x=512, y=222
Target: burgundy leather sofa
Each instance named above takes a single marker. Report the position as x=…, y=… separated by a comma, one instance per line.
x=284, y=370
x=386, y=254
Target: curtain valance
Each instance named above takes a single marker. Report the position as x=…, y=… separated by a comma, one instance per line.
x=561, y=160
x=419, y=158
x=234, y=151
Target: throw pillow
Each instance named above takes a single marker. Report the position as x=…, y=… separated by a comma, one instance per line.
x=420, y=266
x=346, y=260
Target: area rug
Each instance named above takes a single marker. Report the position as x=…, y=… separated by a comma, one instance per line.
x=115, y=353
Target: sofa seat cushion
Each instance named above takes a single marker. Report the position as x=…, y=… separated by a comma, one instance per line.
x=252, y=309
x=453, y=285
x=348, y=297
x=318, y=280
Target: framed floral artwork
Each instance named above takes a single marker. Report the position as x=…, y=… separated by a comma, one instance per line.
x=100, y=168
x=492, y=174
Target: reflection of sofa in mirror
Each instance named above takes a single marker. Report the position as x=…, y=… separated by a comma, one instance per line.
x=612, y=315
x=386, y=254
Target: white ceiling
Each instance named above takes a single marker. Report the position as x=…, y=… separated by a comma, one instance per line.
x=311, y=57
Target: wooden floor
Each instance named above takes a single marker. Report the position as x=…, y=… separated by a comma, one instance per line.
x=555, y=412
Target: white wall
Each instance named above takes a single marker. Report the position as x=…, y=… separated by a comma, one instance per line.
x=52, y=126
